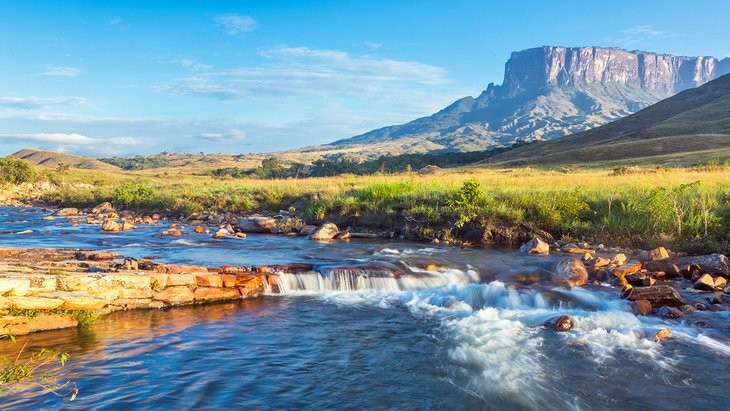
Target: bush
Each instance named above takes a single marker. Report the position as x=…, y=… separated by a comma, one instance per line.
x=16, y=171
x=133, y=193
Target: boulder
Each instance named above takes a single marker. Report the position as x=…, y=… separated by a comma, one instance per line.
x=711, y=264
x=127, y=225
x=256, y=224
x=618, y=259
x=657, y=295
x=669, y=268
x=326, y=231
x=657, y=254
x=111, y=226
x=648, y=281
x=562, y=323
x=307, y=229
x=572, y=271
x=662, y=334
x=431, y=170
x=720, y=283
x=670, y=312
x=626, y=269
x=66, y=212
x=641, y=307
x=221, y=233
x=705, y=283
x=103, y=208
x=599, y=262
x=535, y=246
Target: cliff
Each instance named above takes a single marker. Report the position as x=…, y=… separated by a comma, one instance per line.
x=547, y=92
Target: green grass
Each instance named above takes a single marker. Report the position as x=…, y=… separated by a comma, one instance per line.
x=637, y=207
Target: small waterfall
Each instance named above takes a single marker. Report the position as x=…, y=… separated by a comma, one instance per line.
x=328, y=280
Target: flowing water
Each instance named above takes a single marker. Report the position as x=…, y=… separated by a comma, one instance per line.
x=374, y=326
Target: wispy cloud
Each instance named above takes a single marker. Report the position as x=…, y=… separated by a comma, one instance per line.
x=24, y=103
x=190, y=63
x=235, y=24
x=117, y=24
x=224, y=137
x=73, y=142
x=60, y=71
x=638, y=34
x=373, y=46
x=302, y=70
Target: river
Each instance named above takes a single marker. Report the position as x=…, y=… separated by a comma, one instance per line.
x=465, y=335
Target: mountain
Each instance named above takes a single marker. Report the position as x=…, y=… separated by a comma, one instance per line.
x=547, y=92
x=53, y=159
x=690, y=127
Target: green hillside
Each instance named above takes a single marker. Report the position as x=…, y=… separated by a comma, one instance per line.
x=692, y=126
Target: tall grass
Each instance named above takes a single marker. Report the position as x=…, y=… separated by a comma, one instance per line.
x=678, y=206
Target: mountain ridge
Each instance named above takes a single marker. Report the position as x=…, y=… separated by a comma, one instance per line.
x=548, y=92
x=695, y=120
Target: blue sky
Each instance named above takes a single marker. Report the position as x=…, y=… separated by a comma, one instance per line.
x=138, y=77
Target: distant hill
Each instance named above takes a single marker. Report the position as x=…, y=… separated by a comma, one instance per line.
x=52, y=159
x=547, y=92
x=689, y=127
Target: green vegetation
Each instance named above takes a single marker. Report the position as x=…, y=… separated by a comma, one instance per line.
x=680, y=207
x=16, y=171
x=137, y=163
x=38, y=370
x=273, y=168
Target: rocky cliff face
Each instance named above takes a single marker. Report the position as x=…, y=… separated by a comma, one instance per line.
x=579, y=66
x=548, y=92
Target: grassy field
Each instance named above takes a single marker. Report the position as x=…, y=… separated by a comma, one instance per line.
x=682, y=207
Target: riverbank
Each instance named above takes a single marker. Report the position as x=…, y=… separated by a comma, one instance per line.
x=47, y=289
x=687, y=209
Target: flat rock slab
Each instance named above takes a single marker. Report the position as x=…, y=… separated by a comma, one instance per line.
x=657, y=296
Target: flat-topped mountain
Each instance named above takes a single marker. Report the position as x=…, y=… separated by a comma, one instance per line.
x=692, y=126
x=547, y=92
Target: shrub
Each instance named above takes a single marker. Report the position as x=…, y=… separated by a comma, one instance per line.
x=14, y=170
x=133, y=193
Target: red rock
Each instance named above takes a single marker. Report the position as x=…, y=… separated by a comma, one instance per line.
x=208, y=281
x=175, y=295
x=657, y=254
x=662, y=334
x=705, y=283
x=560, y=324
x=667, y=267
x=627, y=268
x=572, y=271
x=204, y=294
x=641, y=307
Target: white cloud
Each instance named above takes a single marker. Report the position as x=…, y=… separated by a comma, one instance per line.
x=235, y=24
x=373, y=45
x=31, y=102
x=224, y=137
x=117, y=24
x=302, y=70
x=60, y=71
x=59, y=138
x=637, y=34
